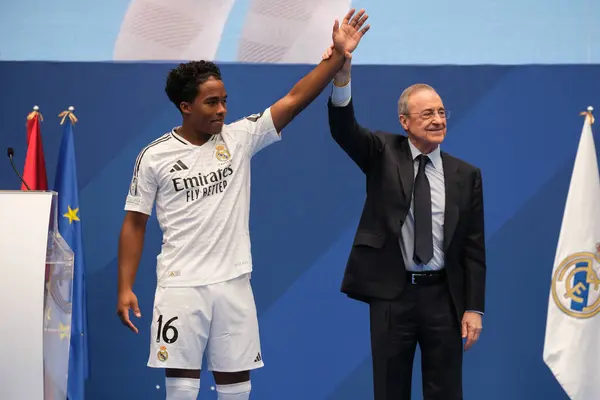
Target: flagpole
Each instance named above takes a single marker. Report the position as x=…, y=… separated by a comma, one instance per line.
x=589, y=114
x=69, y=114
x=35, y=112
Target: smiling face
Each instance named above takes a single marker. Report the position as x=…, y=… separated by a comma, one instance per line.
x=423, y=117
x=208, y=110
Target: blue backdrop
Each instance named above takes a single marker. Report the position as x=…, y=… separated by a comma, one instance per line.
x=521, y=125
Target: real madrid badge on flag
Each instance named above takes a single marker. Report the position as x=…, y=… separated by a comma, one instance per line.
x=572, y=342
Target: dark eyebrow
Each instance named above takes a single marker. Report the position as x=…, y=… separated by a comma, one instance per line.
x=213, y=98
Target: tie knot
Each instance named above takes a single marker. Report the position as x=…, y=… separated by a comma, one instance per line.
x=423, y=160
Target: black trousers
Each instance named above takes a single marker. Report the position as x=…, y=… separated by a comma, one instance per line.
x=423, y=314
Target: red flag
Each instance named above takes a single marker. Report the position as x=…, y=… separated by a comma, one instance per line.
x=34, y=172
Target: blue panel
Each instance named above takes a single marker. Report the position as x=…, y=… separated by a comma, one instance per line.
x=520, y=125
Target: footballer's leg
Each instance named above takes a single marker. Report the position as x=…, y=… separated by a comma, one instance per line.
x=233, y=385
x=233, y=349
x=288, y=31
x=182, y=384
x=172, y=29
x=179, y=334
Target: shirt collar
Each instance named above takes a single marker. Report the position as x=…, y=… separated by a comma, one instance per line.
x=179, y=137
x=435, y=156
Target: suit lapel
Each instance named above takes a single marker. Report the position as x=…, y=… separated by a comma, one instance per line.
x=406, y=171
x=453, y=187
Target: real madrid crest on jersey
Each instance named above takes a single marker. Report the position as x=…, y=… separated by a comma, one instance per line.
x=576, y=284
x=162, y=354
x=222, y=153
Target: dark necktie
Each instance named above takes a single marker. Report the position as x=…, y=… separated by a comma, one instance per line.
x=423, y=231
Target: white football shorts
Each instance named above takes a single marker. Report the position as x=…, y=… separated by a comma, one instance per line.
x=218, y=320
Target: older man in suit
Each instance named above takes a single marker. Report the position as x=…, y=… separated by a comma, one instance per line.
x=418, y=257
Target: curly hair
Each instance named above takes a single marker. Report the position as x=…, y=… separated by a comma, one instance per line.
x=183, y=81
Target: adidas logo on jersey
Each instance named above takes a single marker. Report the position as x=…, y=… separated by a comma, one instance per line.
x=179, y=166
x=258, y=358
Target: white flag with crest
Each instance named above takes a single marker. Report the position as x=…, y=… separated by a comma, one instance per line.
x=572, y=342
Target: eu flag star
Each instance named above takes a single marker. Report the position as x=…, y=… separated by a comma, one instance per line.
x=64, y=331
x=72, y=215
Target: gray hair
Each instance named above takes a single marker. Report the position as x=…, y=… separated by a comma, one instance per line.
x=403, y=100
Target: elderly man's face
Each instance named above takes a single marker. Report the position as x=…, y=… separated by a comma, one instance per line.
x=426, y=122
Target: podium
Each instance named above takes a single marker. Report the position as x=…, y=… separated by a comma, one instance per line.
x=35, y=293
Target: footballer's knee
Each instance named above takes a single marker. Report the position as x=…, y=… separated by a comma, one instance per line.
x=182, y=384
x=228, y=378
x=233, y=385
x=182, y=373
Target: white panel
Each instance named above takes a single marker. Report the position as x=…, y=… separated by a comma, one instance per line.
x=24, y=224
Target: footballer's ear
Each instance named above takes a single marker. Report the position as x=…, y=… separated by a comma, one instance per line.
x=185, y=108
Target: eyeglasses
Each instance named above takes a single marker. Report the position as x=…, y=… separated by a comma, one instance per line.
x=429, y=114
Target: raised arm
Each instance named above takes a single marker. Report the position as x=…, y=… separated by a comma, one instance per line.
x=358, y=142
x=345, y=40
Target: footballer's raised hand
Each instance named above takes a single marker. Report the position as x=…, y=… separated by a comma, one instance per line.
x=348, y=35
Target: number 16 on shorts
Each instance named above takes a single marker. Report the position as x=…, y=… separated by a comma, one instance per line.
x=165, y=348
x=168, y=333
x=179, y=331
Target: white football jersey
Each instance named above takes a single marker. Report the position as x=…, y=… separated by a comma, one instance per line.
x=202, y=198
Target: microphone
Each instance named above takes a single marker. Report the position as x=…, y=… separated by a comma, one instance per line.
x=10, y=152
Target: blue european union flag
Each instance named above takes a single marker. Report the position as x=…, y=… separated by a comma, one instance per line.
x=69, y=226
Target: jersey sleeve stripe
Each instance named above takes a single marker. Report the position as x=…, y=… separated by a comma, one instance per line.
x=137, y=160
x=163, y=139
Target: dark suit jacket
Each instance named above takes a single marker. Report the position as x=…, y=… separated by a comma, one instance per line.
x=375, y=268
